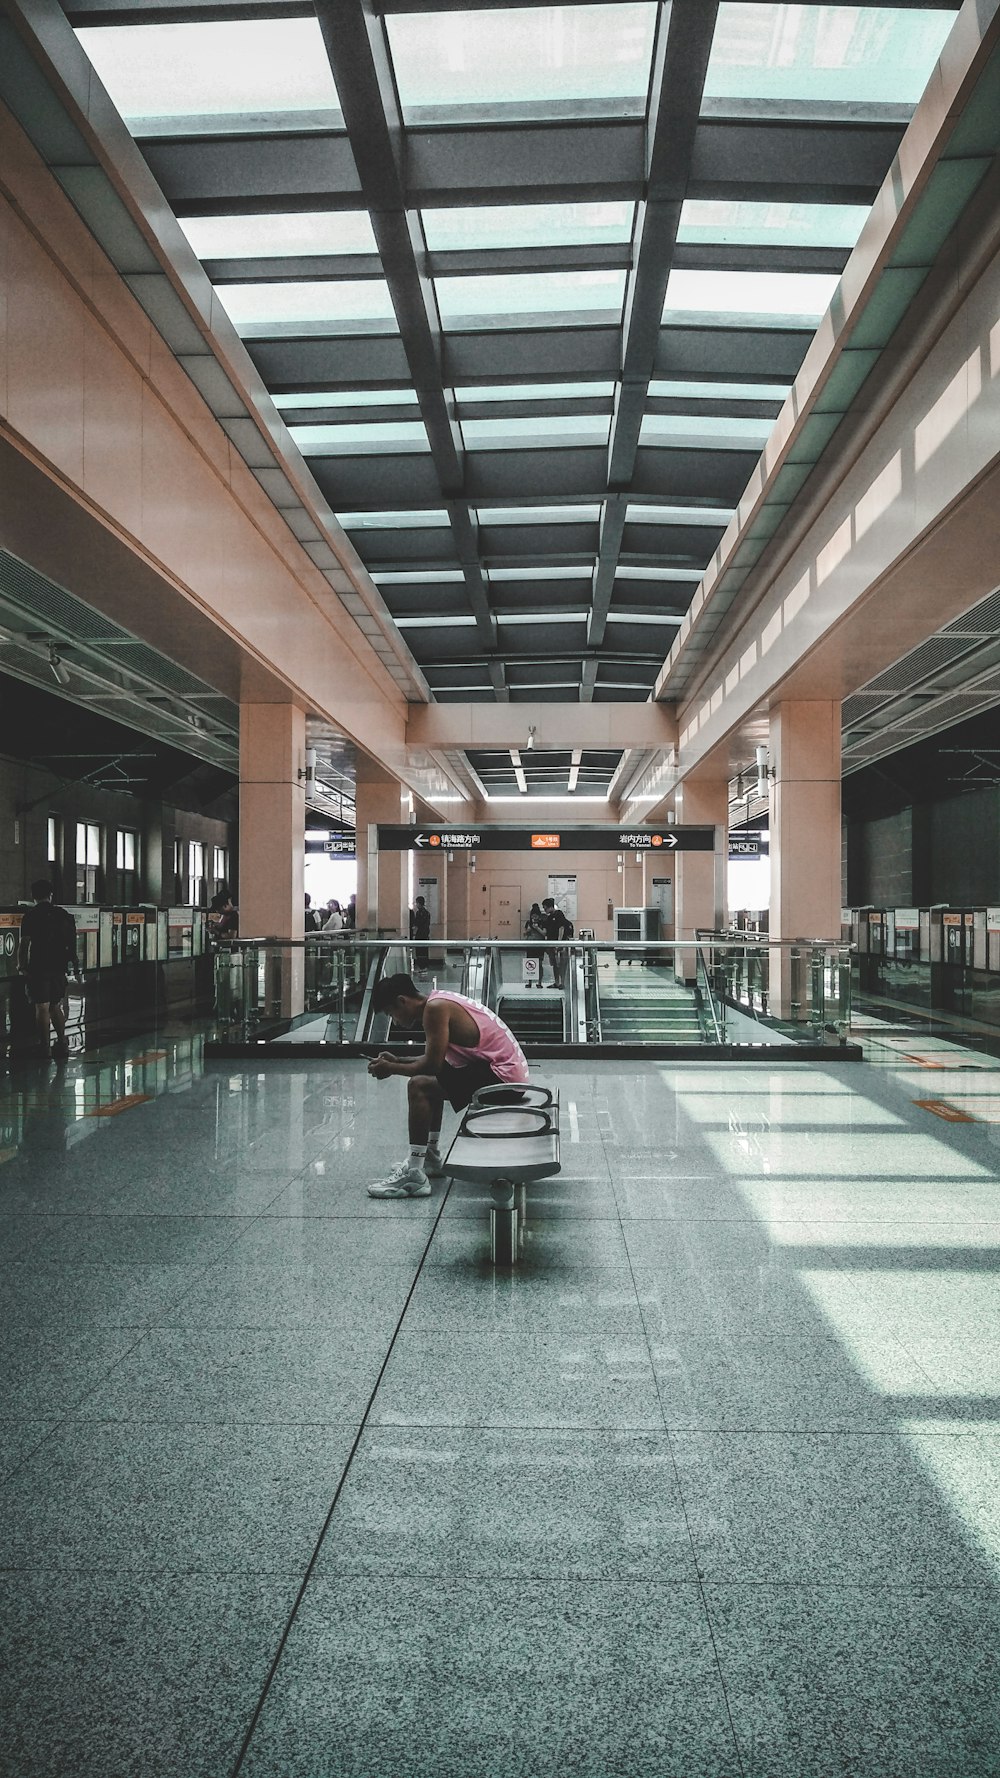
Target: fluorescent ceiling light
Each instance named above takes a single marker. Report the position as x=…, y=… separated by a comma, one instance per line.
x=214, y=68
x=857, y=54
x=512, y=434
x=541, y=572
x=729, y=222
x=317, y=303
x=347, y=398
x=527, y=225
x=280, y=234
x=526, y=54
x=642, y=617
x=801, y=294
x=715, y=432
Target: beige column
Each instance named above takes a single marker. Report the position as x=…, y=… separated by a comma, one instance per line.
x=272, y=839
x=383, y=879
x=700, y=898
x=805, y=836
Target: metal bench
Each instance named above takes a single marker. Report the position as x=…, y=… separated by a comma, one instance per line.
x=508, y=1138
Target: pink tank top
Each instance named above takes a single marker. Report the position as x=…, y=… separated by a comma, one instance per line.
x=497, y=1045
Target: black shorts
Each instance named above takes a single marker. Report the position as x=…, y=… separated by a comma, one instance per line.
x=45, y=988
x=459, y=1084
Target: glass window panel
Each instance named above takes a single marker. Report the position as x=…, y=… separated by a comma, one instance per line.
x=805, y=295
x=390, y=521
x=522, y=392
x=93, y=844
x=347, y=398
x=538, y=515
x=719, y=222
x=530, y=293
x=287, y=305
x=528, y=225
x=679, y=515
x=531, y=53
x=849, y=53
x=213, y=69
x=523, y=434
x=279, y=236
x=582, y=571
x=719, y=391
x=407, y=435
x=51, y=837
x=716, y=431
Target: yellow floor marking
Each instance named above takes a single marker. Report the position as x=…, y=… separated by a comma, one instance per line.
x=950, y=1113
x=114, y=1106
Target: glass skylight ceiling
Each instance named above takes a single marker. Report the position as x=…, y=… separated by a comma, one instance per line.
x=213, y=69
x=271, y=236
x=500, y=318
x=853, y=54
x=531, y=54
x=528, y=225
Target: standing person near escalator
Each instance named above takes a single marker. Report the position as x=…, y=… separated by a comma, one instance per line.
x=557, y=927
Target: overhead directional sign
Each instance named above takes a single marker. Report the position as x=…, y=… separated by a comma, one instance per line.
x=748, y=848
x=546, y=839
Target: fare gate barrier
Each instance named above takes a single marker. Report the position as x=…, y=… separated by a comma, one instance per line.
x=508, y=1138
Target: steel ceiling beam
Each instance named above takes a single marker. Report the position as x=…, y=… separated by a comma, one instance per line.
x=355, y=39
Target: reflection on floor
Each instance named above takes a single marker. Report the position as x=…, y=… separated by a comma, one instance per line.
x=296, y=1485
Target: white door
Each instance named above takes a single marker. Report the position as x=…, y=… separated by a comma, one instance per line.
x=505, y=911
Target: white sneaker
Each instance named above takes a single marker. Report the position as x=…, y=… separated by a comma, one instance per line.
x=405, y=1181
x=434, y=1166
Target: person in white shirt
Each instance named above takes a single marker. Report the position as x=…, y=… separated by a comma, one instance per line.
x=334, y=921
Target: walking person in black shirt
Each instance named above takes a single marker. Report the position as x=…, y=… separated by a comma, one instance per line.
x=46, y=952
x=420, y=929
x=556, y=927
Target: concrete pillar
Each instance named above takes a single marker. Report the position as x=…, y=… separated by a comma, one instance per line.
x=700, y=899
x=272, y=836
x=805, y=839
x=383, y=881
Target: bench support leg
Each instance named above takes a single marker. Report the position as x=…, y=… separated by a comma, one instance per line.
x=503, y=1224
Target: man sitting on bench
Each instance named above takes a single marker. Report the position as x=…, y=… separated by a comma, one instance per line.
x=465, y=1047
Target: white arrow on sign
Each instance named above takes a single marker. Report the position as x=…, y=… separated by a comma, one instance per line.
x=421, y=839
x=670, y=840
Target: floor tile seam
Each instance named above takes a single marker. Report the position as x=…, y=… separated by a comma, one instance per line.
x=247, y=1740
x=57, y=1425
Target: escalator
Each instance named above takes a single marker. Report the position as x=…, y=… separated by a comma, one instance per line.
x=537, y=1017
x=660, y=1011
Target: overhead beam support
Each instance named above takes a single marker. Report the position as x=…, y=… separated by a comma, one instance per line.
x=557, y=726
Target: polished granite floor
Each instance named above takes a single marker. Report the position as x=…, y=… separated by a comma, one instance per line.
x=296, y=1486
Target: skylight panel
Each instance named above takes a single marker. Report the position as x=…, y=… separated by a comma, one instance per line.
x=528, y=225
x=854, y=54
x=213, y=69
x=346, y=398
x=717, y=432
x=567, y=429
x=520, y=618
x=417, y=576
x=530, y=54
x=385, y=435
x=643, y=617
x=801, y=296
x=391, y=521
x=280, y=236
x=525, y=392
x=679, y=515
x=683, y=391
x=530, y=293
x=541, y=572
x=434, y=623
x=320, y=306
x=718, y=222
x=538, y=515
x=659, y=573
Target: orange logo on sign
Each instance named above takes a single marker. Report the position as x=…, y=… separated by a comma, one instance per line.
x=543, y=842
x=657, y=839
x=435, y=839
